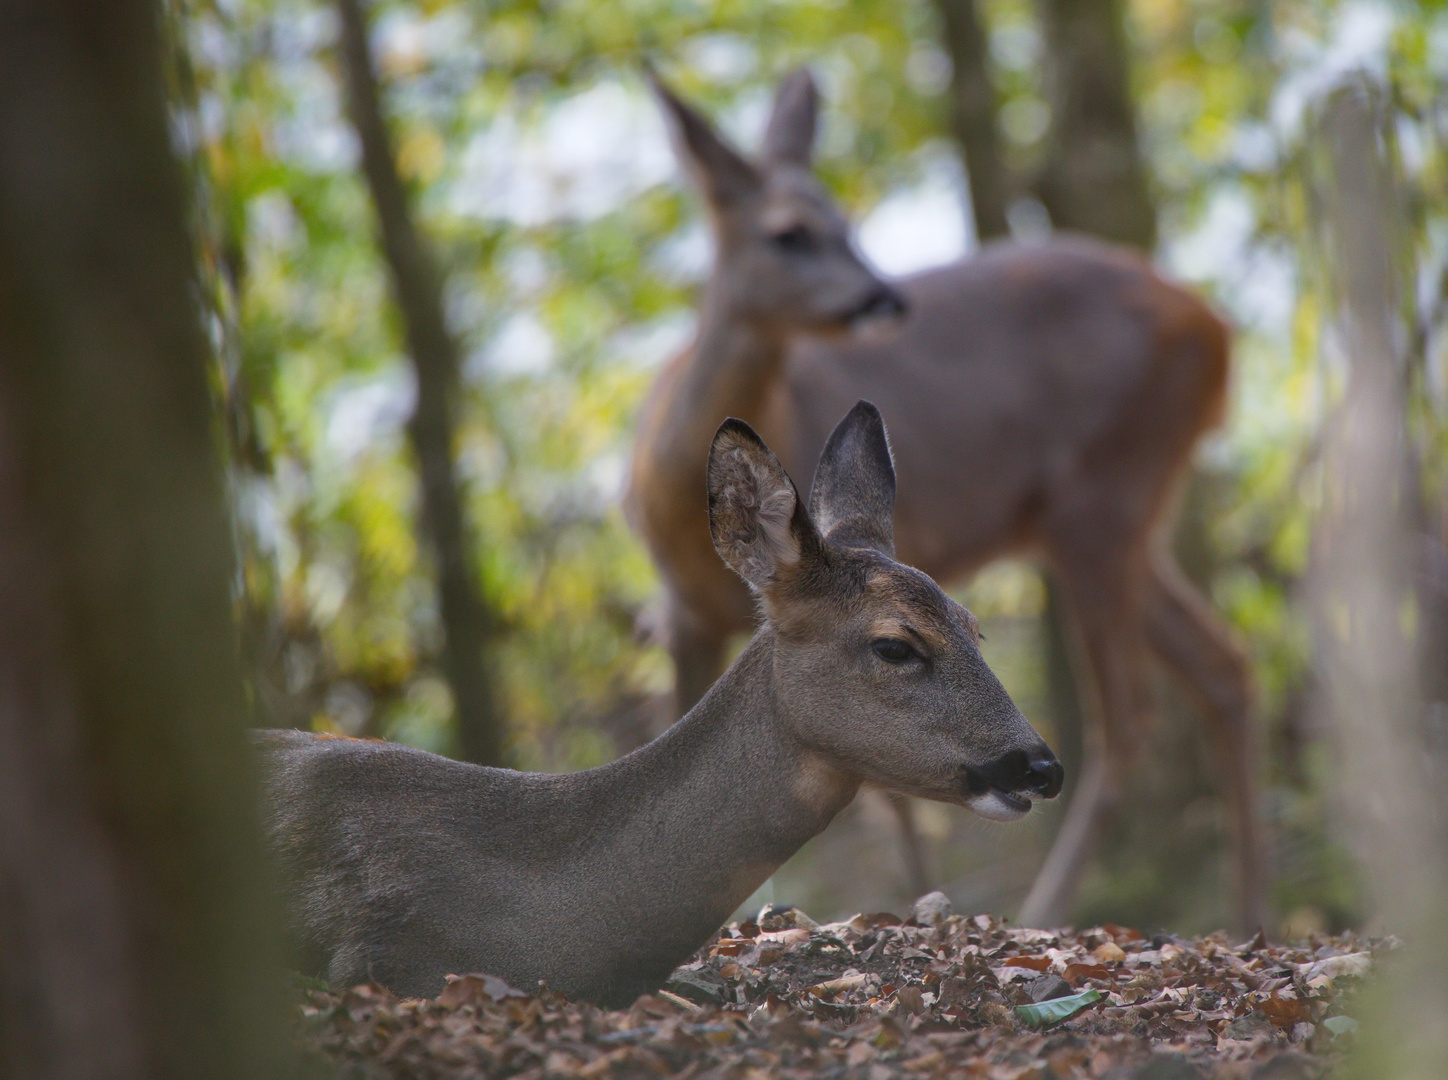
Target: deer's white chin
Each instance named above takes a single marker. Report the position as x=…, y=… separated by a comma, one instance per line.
x=1000, y=805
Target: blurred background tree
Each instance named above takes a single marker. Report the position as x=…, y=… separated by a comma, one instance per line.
x=138, y=935
x=569, y=252
x=467, y=623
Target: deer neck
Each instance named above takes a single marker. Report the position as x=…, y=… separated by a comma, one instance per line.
x=705, y=813
x=729, y=371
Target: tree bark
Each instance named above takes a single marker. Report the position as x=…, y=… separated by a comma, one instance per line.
x=973, y=115
x=137, y=929
x=1094, y=179
x=1390, y=780
x=417, y=288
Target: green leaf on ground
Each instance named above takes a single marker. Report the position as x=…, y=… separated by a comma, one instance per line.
x=1045, y=1013
x=1341, y=1025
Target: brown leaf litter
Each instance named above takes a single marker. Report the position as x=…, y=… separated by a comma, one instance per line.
x=877, y=998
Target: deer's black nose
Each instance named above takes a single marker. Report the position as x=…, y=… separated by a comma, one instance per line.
x=1044, y=774
x=1036, y=771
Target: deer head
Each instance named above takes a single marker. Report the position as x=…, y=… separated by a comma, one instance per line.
x=783, y=256
x=876, y=669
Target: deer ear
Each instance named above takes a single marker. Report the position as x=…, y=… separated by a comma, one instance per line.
x=852, y=499
x=789, y=139
x=716, y=167
x=756, y=517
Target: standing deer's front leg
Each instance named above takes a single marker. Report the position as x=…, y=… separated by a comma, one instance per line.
x=698, y=653
x=1100, y=597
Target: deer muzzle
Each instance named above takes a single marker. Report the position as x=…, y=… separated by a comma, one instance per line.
x=1003, y=789
x=883, y=303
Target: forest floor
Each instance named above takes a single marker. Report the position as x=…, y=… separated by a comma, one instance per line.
x=877, y=998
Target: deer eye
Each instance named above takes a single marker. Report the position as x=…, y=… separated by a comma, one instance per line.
x=893, y=650
x=795, y=239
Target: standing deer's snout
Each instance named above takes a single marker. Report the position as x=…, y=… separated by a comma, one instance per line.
x=883, y=303
x=1035, y=771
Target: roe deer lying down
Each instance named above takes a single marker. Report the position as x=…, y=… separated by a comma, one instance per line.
x=404, y=866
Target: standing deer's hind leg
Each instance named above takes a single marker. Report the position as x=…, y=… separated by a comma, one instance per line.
x=1182, y=630
x=1108, y=632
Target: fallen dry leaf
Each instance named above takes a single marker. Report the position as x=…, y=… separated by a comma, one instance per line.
x=1109, y=953
x=1076, y=973
x=832, y=987
x=465, y=989
x=1284, y=1012
x=1035, y=963
x=1349, y=965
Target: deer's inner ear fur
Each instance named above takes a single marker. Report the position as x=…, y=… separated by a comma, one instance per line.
x=852, y=499
x=759, y=525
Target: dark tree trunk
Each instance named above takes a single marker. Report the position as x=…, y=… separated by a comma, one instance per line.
x=1094, y=180
x=417, y=286
x=136, y=926
x=973, y=113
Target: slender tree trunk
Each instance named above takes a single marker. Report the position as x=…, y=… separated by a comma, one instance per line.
x=973, y=114
x=417, y=287
x=1363, y=587
x=1094, y=179
x=136, y=927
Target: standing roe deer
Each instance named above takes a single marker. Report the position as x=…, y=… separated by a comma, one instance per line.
x=404, y=866
x=1045, y=401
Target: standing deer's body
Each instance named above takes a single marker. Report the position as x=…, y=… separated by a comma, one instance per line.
x=403, y=866
x=1044, y=401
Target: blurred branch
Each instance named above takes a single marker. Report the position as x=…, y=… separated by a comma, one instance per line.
x=1364, y=602
x=973, y=115
x=417, y=286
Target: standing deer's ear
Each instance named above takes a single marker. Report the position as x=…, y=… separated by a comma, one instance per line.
x=852, y=499
x=756, y=517
x=716, y=167
x=789, y=139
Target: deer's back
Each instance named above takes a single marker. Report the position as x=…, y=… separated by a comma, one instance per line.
x=402, y=866
x=388, y=854
x=1023, y=379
